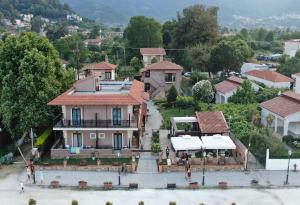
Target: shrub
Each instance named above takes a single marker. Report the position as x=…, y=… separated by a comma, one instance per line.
x=245, y=95
x=185, y=101
x=155, y=137
x=172, y=203
x=141, y=203
x=196, y=77
x=155, y=147
x=74, y=202
x=32, y=202
x=203, y=91
x=108, y=203
x=172, y=95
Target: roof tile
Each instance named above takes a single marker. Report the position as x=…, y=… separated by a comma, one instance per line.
x=212, y=122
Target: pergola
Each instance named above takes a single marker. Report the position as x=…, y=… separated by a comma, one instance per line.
x=175, y=120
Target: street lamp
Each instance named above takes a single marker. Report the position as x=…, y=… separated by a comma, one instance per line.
x=288, y=168
x=203, y=173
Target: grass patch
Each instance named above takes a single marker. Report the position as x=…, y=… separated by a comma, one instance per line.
x=88, y=161
x=167, y=113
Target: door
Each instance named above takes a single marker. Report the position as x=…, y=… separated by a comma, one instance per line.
x=118, y=144
x=77, y=140
x=117, y=116
x=76, y=116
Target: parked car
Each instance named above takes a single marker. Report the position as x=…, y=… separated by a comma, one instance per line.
x=187, y=74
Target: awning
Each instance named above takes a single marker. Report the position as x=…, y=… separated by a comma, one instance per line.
x=186, y=142
x=217, y=142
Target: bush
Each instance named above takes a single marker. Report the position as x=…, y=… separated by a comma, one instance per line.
x=32, y=202
x=141, y=203
x=42, y=139
x=196, y=77
x=172, y=95
x=155, y=137
x=172, y=203
x=108, y=203
x=203, y=91
x=155, y=147
x=74, y=202
x=185, y=101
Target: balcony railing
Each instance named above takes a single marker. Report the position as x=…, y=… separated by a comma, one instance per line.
x=97, y=124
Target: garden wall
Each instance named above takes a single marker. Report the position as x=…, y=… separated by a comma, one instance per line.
x=280, y=164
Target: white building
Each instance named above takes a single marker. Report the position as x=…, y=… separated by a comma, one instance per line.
x=150, y=53
x=291, y=47
x=228, y=87
x=269, y=78
x=74, y=17
x=252, y=66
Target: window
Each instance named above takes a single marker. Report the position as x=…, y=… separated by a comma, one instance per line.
x=117, y=116
x=76, y=116
x=147, y=87
x=92, y=136
x=147, y=74
x=101, y=136
x=170, y=77
x=107, y=75
x=77, y=140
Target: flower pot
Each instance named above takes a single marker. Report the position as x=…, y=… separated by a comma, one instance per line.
x=54, y=184
x=194, y=185
x=108, y=185
x=82, y=184
x=223, y=185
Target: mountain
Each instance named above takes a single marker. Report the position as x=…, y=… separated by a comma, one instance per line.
x=233, y=13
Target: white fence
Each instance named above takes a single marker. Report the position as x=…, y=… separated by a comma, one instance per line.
x=280, y=164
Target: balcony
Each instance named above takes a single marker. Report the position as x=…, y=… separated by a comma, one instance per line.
x=97, y=124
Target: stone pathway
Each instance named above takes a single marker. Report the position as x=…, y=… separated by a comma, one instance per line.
x=147, y=161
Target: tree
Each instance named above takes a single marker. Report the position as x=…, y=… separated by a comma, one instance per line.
x=135, y=63
x=199, y=57
x=31, y=75
x=56, y=31
x=172, y=95
x=270, y=120
x=290, y=66
x=74, y=202
x=32, y=202
x=95, y=32
x=244, y=95
x=168, y=32
x=244, y=33
x=203, y=91
x=37, y=24
x=270, y=36
x=143, y=32
x=197, y=24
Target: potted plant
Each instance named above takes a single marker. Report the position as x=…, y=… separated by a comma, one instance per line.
x=108, y=185
x=54, y=184
x=194, y=185
x=223, y=185
x=82, y=184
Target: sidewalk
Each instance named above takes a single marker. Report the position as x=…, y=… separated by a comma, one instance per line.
x=151, y=180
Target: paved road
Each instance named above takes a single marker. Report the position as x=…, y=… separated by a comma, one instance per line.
x=147, y=162
x=148, y=180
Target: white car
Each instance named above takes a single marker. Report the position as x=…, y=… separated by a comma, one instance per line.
x=187, y=74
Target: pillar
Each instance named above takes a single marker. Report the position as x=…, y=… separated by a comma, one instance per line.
x=285, y=127
x=275, y=124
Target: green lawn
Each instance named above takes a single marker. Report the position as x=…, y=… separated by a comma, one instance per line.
x=167, y=113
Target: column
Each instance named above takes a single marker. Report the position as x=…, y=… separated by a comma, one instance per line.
x=275, y=124
x=285, y=127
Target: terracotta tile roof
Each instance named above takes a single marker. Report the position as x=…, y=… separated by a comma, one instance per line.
x=100, y=66
x=269, y=76
x=229, y=84
x=286, y=104
x=93, y=41
x=136, y=96
x=163, y=65
x=153, y=51
x=212, y=122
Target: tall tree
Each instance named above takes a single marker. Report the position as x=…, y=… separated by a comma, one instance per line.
x=168, y=32
x=197, y=24
x=31, y=74
x=95, y=32
x=245, y=95
x=143, y=32
x=37, y=24
x=56, y=31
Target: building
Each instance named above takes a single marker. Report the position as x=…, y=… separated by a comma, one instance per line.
x=152, y=53
x=226, y=88
x=159, y=77
x=269, y=78
x=203, y=124
x=93, y=42
x=291, y=47
x=104, y=70
x=74, y=17
x=252, y=66
x=100, y=117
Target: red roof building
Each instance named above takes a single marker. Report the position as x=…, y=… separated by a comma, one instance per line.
x=153, y=51
x=104, y=69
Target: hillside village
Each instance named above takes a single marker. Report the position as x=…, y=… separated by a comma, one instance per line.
x=149, y=99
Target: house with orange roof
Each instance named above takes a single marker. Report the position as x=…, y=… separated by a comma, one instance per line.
x=104, y=70
x=269, y=78
x=152, y=53
x=159, y=77
x=100, y=118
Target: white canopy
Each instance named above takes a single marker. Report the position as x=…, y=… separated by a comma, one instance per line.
x=186, y=142
x=184, y=119
x=217, y=142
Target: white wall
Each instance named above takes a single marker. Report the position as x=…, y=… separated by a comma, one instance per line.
x=280, y=164
x=297, y=84
x=269, y=84
x=290, y=48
